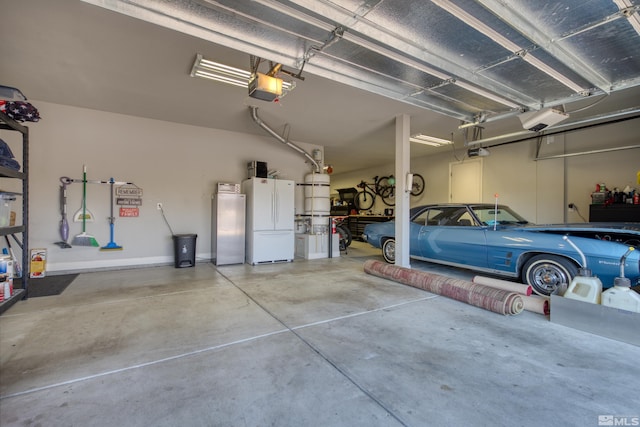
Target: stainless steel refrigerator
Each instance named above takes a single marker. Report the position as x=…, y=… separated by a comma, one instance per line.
x=228, y=228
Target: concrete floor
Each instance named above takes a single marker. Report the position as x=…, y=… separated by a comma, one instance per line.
x=309, y=343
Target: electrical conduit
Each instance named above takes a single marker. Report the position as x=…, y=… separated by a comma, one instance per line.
x=263, y=125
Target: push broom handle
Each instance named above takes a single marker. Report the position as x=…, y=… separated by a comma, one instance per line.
x=84, y=197
x=111, y=218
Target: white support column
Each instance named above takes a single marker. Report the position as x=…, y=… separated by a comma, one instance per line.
x=402, y=192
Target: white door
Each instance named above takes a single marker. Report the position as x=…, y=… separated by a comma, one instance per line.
x=284, y=211
x=465, y=181
x=263, y=204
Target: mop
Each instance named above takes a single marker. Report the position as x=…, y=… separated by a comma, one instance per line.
x=82, y=214
x=84, y=239
x=111, y=246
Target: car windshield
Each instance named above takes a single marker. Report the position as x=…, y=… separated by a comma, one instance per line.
x=490, y=215
x=445, y=215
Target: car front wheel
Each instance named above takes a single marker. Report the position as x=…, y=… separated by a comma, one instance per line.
x=389, y=251
x=546, y=272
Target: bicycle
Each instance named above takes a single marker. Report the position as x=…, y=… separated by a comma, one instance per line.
x=385, y=188
x=366, y=197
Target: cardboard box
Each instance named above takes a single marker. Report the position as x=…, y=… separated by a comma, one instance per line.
x=38, y=263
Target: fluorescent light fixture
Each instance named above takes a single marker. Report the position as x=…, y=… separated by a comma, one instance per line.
x=430, y=140
x=218, y=72
x=483, y=28
x=632, y=14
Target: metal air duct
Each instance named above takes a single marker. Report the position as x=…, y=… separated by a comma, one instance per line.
x=263, y=125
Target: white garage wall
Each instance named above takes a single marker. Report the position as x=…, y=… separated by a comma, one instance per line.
x=615, y=169
x=539, y=190
x=174, y=164
x=179, y=166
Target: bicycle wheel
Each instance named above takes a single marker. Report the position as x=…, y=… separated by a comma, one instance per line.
x=418, y=185
x=364, y=200
x=389, y=196
x=381, y=185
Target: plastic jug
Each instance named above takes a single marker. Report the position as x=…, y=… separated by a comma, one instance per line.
x=585, y=287
x=621, y=295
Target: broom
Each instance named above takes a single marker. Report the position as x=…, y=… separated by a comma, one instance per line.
x=84, y=239
x=111, y=246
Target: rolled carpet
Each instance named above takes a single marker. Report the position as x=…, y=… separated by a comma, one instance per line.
x=496, y=300
x=518, y=288
x=536, y=304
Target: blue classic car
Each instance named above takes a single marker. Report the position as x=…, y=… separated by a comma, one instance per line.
x=496, y=240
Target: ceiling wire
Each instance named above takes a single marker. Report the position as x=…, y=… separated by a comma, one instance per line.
x=453, y=147
x=594, y=103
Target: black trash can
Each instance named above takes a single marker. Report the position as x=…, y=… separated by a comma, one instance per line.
x=184, y=246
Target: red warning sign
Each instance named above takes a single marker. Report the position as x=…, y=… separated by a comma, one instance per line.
x=129, y=212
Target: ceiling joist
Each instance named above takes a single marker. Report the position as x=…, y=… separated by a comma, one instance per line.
x=486, y=58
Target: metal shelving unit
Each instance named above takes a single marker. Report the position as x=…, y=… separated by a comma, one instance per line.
x=9, y=124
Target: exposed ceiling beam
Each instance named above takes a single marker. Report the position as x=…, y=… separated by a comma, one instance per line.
x=209, y=23
x=508, y=44
x=535, y=32
x=438, y=60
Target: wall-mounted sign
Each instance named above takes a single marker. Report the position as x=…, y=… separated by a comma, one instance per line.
x=129, y=212
x=129, y=191
x=128, y=201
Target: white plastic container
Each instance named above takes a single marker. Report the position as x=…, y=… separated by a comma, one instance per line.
x=621, y=296
x=585, y=287
x=317, y=203
x=6, y=199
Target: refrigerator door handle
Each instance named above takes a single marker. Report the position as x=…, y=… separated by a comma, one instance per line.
x=273, y=208
x=277, y=211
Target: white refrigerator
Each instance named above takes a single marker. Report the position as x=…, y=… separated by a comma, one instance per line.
x=270, y=220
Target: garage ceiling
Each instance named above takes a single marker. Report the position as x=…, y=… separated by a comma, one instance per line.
x=361, y=63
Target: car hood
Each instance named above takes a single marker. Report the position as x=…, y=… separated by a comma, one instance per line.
x=628, y=227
